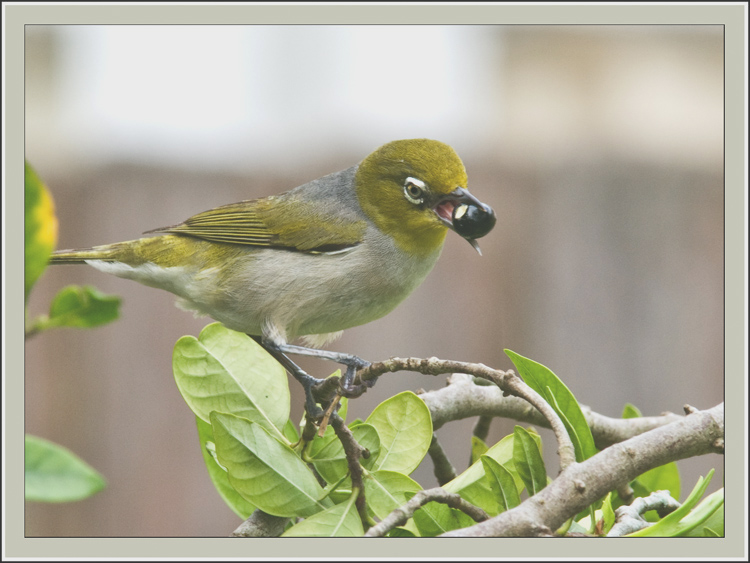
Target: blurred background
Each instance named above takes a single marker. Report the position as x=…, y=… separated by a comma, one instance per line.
x=599, y=147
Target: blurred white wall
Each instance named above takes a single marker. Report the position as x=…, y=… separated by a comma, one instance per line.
x=249, y=97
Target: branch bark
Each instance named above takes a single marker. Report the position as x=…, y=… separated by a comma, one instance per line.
x=630, y=517
x=462, y=398
x=261, y=525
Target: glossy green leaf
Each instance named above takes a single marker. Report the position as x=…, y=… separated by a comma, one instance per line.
x=40, y=228
x=387, y=490
x=81, y=307
x=472, y=485
x=436, y=518
x=553, y=390
x=341, y=520
x=227, y=371
x=218, y=474
x=671, y=524
x=528, y=461
x=52, y=473
x=404, y=426
x=330, y=460
x=265, y=471
x=478, y=447
x=501, y=483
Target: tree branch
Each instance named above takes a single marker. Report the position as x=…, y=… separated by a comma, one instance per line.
x=443, y=468
x=353, y=452
x=508, y=381
x=584, y=483
x=261, y=525
x=482, y=427
x=438, y=494
x=462, y=398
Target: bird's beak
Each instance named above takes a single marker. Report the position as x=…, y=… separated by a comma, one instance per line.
x=466, y=215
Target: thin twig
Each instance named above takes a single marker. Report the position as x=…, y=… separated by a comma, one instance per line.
x=482, y=427
x=508, y=381
x=327, y=414
x=400, y=515
x=353, y=452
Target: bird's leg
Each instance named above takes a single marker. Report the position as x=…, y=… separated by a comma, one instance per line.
x=306, y=380
x=352, y=363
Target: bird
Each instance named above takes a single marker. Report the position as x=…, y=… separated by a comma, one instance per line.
x=336, y=252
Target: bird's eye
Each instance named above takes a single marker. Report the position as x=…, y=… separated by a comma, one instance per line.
x=414, y=190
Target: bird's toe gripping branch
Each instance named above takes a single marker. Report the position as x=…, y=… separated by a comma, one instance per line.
x=317, y=390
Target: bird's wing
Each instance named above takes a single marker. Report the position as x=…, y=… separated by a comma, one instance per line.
x=277, y=221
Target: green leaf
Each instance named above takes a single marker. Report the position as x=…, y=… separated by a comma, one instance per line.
x=478, y=447
x=501, y=483
x=330, y=460
x=577, y=528
x=472, y=485
x=631, y=411
x=344, y=402
x=81, y=307
x=290, y=432
x=670, y=525
x=40, y=228
x=387, y=490
x=436, y=518
x=528, y=461
x=548, y=385
x=265, y=471
x=713, y=526
x=55, y=474
x=608, y=514
x=705, y=510
x=227, y=371
x=341, y=520
x=218, y=474
x=404, y=426
x=400, y=533
x=663, y=478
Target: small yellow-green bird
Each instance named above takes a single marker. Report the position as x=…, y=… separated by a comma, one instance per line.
x=328, y=255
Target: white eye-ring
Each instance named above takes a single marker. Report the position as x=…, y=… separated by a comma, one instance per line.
x=414, y=190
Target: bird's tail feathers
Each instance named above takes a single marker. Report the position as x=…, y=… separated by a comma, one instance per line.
x=109, y=252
